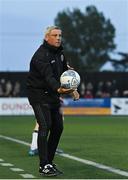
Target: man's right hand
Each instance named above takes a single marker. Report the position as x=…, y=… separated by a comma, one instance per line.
x=62, y=90
x=75, y=95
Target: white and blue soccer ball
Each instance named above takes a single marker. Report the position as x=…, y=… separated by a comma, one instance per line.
x=70, y=79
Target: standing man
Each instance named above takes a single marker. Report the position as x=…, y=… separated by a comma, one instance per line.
x=43, y=84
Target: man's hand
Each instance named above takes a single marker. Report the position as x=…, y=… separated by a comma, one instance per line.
x=75, y=95
x=62, y=90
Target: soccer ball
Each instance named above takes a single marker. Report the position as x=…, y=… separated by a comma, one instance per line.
x=70, y=79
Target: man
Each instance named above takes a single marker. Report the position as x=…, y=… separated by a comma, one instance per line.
x=43, y=84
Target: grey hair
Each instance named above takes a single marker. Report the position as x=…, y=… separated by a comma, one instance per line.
x=49, y=29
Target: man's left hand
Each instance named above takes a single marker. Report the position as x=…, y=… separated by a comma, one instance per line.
x=70, y=68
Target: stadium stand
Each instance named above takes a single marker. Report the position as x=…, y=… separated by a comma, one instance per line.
x=93, y=85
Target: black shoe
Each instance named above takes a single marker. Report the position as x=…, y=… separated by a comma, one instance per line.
x=57, y=170
x=48, y=170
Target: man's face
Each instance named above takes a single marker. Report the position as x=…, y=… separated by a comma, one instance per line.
x=54, y=37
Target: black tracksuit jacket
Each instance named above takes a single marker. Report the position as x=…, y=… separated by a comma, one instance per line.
x=46, y=67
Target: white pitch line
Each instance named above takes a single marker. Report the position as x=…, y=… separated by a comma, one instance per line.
x=1, y=160
x=97, y=165
x=6, y=164
x=27, y=176
x=15, y=140
x=84, y=161
x=16, y=169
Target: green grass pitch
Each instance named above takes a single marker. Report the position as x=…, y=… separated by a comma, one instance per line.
x=102, y=139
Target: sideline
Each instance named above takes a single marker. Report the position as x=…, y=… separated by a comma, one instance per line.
x=84, y=161
x=15, y=169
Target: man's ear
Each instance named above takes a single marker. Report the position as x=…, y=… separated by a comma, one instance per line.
x=46, y=38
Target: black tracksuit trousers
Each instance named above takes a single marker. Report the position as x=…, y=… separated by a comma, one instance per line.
x=50, y=122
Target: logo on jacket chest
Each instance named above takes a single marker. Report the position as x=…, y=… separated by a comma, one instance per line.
x=61, y=59
x=53, y=61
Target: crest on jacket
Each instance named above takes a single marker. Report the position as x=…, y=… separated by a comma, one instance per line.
x=62, y=57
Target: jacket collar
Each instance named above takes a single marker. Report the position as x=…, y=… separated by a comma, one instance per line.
x=52, y=48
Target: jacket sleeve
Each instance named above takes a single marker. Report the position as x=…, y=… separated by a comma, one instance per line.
x=43, y=66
